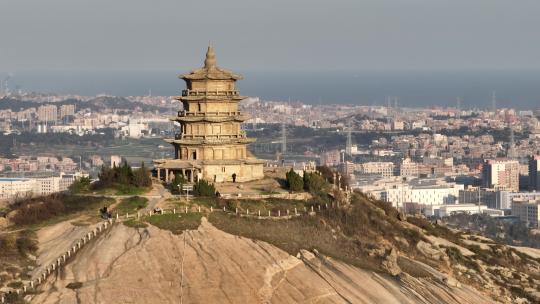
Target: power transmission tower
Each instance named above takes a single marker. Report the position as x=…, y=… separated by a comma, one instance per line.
x=494, y=102
x=283, y=138
x=348, y=148
x=512, y=148
x=458, y=107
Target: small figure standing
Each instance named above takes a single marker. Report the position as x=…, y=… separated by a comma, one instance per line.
x=234, y=177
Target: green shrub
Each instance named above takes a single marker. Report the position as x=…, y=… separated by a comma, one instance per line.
x=177, y=183
x=204, y=188
x=131, y=204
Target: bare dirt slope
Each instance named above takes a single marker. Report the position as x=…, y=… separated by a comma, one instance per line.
x=127, y=265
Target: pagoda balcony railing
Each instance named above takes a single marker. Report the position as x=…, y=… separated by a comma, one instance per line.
x=190, y=113
x=221, y=136
x=210, y=93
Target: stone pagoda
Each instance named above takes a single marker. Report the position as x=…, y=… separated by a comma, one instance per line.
x=210, y=145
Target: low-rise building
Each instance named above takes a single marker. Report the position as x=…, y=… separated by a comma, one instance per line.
x=527, y=212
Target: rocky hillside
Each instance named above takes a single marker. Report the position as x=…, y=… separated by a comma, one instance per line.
x=360, y=251
x=207, y=265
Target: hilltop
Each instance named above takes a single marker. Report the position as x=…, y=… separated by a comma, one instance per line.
x=340, y=248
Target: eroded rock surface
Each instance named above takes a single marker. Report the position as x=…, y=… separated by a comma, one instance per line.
x=127, y=265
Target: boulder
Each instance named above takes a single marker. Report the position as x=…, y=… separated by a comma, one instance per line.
x=429, y=251
x=390, y=263
x=451, y=282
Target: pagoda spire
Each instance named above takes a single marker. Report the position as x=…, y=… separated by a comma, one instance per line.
x=210, y=61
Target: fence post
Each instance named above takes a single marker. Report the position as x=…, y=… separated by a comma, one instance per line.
x=199, y=209
x=287, y=212
x=305, y=209
x=326, y=205
x=295, y=211
x=174, y=211
x=186, y=209
x=236, y=210
x=279, y=213
x=116, y=215
x=269, y=213
x=211, y=209
x=127, y=215
x=311, y=208
x=3, y=301
x=259, y=213
x=247, y=211
x=223, y=208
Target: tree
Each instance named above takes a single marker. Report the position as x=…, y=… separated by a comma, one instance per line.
x=294, y=181
x=141, y=177
x=204, y=188
x=124, y=174
x=80, y=185
x=314, y=183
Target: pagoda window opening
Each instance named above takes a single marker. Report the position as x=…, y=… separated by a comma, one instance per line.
x=194, y=155
x=199, y=107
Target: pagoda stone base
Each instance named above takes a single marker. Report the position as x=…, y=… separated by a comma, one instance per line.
x=223, y=173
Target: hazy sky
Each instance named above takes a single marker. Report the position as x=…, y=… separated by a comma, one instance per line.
x=137, y=35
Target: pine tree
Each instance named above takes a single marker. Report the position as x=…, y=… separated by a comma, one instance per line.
x=294, y=181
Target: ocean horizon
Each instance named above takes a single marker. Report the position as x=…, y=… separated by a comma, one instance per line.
x=514, y=89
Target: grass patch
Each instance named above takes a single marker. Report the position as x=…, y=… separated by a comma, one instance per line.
x=56, y=207
x=299, y=233
x=134, y=223
x=264, y=205
x=176, y=223
x=131, y=204
x=123, y=190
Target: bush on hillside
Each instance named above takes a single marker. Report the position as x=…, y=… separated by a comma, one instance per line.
x=204, y=188
x=294, y=181
x=177, y=183
x=314, y=183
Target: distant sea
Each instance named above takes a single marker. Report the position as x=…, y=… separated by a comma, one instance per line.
x=518, y=89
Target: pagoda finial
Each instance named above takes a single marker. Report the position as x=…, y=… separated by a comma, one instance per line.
x=210, y=61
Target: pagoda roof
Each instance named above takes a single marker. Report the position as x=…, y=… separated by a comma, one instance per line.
x=210, y=71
